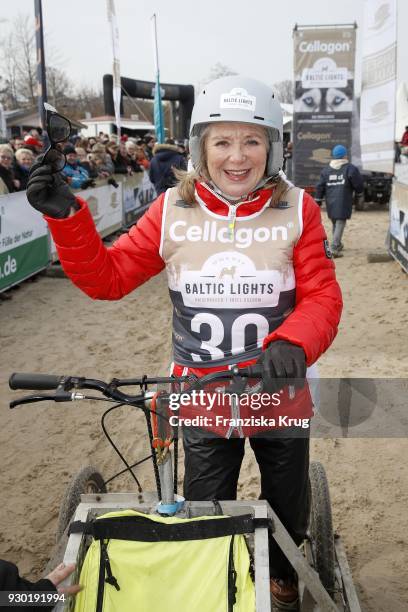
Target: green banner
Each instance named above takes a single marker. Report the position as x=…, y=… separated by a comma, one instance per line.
x=24, y=246
x=23, y=261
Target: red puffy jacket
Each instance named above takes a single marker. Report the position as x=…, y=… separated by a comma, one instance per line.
x=111, y=273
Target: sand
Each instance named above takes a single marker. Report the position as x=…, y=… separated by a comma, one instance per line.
x=49, y=326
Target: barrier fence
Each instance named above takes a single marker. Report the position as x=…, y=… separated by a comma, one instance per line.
x=26, y=246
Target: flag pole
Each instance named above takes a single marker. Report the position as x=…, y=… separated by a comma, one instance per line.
x=117, y=90
x=158, y=108
x=41, y=77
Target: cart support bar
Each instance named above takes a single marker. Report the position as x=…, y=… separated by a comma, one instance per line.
x=306, y=573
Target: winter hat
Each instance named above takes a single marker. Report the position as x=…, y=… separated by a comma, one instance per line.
x=69, y=148
x=30, y=140
x=339, y=151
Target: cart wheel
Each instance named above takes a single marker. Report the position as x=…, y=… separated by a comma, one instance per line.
x=321, y=529
x=87, y=480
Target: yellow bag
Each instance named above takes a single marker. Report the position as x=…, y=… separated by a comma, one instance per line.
x=150, y=563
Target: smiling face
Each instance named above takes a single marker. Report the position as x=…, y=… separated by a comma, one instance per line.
x=72, y=158
x=25, y=159
x=6, y=159
x=236, y=155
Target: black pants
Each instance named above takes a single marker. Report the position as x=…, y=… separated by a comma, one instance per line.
x=212, y=468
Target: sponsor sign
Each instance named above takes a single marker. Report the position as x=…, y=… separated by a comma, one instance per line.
x=232, y=280
x=324, y=88
x=398, y=246
x=378, y=87
x=105, y=204
x=238, y=98
x=138, y=194
x=24, y=248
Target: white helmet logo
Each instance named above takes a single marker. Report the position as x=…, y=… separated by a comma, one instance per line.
x=238, y=98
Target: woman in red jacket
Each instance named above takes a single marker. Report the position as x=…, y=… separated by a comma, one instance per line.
x=250, y=276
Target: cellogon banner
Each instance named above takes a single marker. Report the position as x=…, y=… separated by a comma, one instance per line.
x=324, y=86
x=378, y=86
x=24, y=249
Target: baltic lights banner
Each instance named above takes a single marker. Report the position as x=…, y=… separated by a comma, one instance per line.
x=378, y=87
x=324, y=87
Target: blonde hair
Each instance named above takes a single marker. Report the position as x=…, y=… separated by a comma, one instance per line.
x=97, y=156
x=129, y=144
x=187, y=179
x=20, y=152
x=5, y=148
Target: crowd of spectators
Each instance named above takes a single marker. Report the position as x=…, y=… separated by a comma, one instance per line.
x=87, y=159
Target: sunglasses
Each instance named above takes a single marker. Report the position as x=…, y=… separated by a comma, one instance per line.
x=58, y=130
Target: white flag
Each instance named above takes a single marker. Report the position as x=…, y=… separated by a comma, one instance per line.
x=116, y=62
x=377, y=115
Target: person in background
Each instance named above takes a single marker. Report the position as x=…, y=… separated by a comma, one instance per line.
x=9, y=183
x=182, y=148
x=287, y=160
x=336, y=185
x=84, y=162
x=101, y=151
x=404, y=139
x=166, y=159
x=137, y=155
x=24, y=161
x=122, y=162
x=141, y=157
x=98, y=164
x=149, y=141
x=404, y=143
x=32, y=143
x=77, y=176
x=10, y=580
x=18, y=143
x=119, y=166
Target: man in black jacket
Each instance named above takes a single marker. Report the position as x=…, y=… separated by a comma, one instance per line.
x=166, y=157
x=336, y=185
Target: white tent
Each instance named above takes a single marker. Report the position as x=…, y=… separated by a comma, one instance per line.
x=401, y=119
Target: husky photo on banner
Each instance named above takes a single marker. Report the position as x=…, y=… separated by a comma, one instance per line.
x=324, y=88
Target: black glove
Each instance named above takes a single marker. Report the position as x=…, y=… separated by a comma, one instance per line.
x=319, y=202
x=88, y=183
x=111, y=181
x=282, y=360
x=49, y=193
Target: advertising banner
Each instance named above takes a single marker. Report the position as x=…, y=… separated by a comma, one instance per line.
x=324, y=87
x=105, y=204
x=24, y=247
x=399, y=224
x=378, y=87
x=138, y=193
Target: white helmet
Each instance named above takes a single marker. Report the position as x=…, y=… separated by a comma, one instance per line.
x=243, y=100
